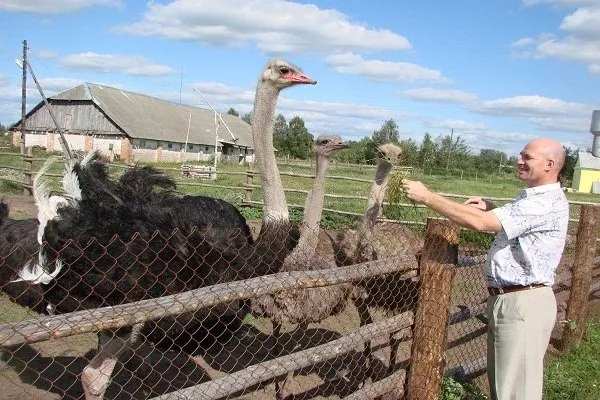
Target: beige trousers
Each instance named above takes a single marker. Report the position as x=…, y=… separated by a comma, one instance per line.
x=519, y=328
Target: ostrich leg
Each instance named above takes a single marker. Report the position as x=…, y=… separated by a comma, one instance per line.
x=95, y=377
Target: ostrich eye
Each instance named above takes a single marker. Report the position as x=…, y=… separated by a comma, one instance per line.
x=284, y=70
x=324, y=141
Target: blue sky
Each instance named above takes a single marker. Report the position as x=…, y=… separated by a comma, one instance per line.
x=498, y=72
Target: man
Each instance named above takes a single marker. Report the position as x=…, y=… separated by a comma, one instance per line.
x=520, y=266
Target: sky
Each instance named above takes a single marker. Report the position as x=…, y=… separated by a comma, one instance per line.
x=497, y=73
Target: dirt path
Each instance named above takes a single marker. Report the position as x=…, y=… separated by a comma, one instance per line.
x=20, y=206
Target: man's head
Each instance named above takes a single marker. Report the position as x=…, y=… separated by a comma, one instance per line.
x=540, y=162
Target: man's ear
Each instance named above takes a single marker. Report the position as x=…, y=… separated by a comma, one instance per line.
x=550, y=165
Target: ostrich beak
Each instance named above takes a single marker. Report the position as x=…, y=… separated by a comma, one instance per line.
x=296, y=77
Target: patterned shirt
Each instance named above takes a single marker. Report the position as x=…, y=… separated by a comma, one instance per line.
x=529, y=247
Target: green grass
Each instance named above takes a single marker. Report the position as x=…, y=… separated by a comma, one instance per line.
x=576, y=376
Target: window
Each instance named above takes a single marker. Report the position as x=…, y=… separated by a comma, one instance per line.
x=170, y=146
x=190, y=147
x=142, y=144
x=206, y=148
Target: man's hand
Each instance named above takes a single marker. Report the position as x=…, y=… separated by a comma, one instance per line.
x=416, y=191
x=480, y=203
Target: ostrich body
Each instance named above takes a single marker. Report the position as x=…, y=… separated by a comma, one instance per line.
x=303, y=306
x=18, y=247
x=389, y=293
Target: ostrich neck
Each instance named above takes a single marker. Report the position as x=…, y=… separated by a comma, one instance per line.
x=274, y=205
x=313, y=210
x=375, y=201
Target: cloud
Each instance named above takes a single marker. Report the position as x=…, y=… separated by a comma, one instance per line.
x=54, y=6
x=105, y=63
x=441, y=96
x=383, y=71
x=274, y=26
x=581, y=42
x=529, y=106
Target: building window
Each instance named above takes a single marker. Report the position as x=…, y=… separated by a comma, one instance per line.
x=170, y=146
x=142, y=144
x=190, y=147
x=206, y=148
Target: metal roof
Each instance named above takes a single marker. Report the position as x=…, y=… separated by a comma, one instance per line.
x=144, y=117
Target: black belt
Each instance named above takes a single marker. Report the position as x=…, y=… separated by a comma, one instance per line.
x=494, y=291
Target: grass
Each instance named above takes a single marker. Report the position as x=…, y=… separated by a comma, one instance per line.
x=576, y=376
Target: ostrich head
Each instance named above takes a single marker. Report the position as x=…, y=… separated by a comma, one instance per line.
x=388, y=153
x=326, y=145
x=281, y=74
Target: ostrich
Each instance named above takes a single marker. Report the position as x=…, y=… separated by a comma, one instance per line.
x=18, y=247
x=302, y=306
x=387, y=292
x=133, y=239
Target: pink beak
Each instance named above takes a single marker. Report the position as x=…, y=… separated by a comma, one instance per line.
x=299, y=78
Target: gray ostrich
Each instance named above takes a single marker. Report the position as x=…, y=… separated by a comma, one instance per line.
x=388, y=293
x=303, y=306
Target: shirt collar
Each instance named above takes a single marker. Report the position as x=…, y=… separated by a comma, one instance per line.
x=539, y=189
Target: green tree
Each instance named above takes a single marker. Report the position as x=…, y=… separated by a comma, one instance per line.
x=491, y=160
x=300, y=141
x=427, y=151
x=232, y=111
x=387, y=133
x=247, y=118
x=281, y=135
x=566, y=173
x=410, y=152
x=452, y=151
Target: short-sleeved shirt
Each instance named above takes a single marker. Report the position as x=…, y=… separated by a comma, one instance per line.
x=529, y=247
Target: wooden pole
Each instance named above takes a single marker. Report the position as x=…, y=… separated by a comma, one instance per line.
x=431, y=320
x=581, y=271
x=23, y=98
x=249, y=183
x=28, y=173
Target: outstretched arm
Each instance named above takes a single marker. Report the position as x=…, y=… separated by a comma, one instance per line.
x=467, y=216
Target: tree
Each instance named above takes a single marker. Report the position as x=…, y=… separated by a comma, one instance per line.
x=427, y=152
x=452, y=151
x=280, y=135
x=387, y=133
x=299, y=141
x=566, y=173
x=247, y=118
x=491, y=160
x=232, y=111
x=410, y=152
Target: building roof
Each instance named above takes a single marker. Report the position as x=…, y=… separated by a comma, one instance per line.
x=145, y=117
x=587, y=160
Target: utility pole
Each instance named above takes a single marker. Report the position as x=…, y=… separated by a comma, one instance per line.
x=23, y=97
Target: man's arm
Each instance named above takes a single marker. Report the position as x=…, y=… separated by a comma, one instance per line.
x=467, y=216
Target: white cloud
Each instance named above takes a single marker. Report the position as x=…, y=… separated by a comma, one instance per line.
x=561, y=2
x=529, y=106
x=581, y=43
x=53, y=6
x=562, y=124
x=383, y=71
x=442, y=96
x=105, y=63
x=274, y=26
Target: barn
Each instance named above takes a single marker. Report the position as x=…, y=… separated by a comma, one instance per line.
x=135, y=127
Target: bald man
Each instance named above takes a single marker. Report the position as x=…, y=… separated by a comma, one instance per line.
x=520, y=266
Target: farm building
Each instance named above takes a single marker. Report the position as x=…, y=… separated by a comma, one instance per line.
x=135, y=127
x=586, y=172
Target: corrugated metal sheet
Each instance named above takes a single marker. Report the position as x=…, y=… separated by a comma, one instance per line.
x=138, y=116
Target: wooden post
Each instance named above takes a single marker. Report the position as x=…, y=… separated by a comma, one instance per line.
x=581, y=271
x=437, y=271
x=249, y=183
x=28, y=174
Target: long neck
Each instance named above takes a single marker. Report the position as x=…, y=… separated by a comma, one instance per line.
x=274, y=205
x=375, y=201
x=313, y=209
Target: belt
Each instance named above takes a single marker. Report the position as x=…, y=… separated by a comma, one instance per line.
x=494, y=291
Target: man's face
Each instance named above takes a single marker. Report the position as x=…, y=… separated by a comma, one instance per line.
x=532, y=165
